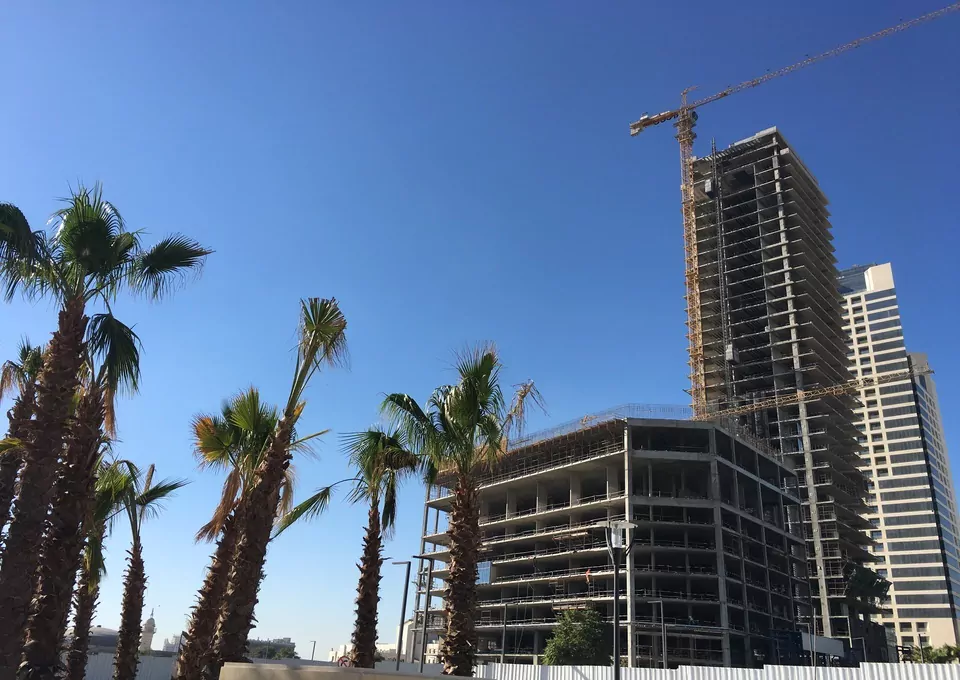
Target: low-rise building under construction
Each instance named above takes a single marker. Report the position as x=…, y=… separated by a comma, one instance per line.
x=716, y=549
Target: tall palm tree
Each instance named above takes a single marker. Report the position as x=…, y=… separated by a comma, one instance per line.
x=322, y=340
x=17, y=376
x=464, y=430
x=381, y=460
x=233, y=441
x=90, y=257
x=115, y=348
x=142, y=501
x=114, y=484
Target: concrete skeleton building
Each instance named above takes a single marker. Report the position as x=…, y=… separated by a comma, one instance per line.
x=912, y=508
x=771, y=325
x=717, y=542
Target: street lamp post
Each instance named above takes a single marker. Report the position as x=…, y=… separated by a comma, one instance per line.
x=314, y=650
x=403, y=609
x=614, y=531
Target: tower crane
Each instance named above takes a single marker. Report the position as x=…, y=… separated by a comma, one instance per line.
x=686, y=117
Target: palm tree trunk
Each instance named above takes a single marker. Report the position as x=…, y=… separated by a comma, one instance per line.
x=368, y=592
x=460, y=643
x=19, y=417
x=131, y=615
x=240, y=598
x=85, y=604
x=63, y=543
x=197, y=650
x=55, y=389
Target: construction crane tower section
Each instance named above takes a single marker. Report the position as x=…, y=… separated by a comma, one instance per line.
x=685, y=117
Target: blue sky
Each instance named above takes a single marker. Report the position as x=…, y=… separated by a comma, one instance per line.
x=451, y=172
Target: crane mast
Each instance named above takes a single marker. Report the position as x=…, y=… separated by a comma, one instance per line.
x=686, y=117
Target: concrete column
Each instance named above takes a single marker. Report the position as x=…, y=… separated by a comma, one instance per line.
x=629, y=573
x=511, y=502
x=574, y=489
x=541, y=497
x=649, y=478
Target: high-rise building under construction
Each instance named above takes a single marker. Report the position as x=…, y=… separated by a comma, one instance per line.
x=771, y=320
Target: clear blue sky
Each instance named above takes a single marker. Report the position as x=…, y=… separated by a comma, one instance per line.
x=452, y=172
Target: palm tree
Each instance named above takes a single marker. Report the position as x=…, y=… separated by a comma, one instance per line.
x=91, y=256
x=381, y=460
x=142, y=500
x=117, y=349
x=114, y=484
x=465, y=429
x=234, y=441
x=20, y=376
x=322, y=340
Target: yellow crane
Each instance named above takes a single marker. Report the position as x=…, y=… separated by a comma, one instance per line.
x=795, y=397
x=685, y=118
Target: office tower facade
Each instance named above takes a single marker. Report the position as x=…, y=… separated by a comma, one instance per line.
x=772, y=325
x=716, y=562
x=912, y=508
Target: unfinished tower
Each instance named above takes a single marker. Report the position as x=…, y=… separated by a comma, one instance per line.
x=715, y=573
x=772, y=324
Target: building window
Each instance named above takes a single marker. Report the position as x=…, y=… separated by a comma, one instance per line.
x=906, y=626
x=922, y=626
x=883, y=472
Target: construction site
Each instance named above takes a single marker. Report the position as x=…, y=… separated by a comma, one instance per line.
x=717, y=567
x=745, y=517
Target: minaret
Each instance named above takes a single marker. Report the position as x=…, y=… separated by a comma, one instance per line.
x=146, y=639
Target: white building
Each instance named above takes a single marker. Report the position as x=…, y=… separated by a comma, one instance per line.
x=912, y=506
x=386, y=649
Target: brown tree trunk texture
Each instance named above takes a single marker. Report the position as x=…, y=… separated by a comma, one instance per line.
x=197, y=650
x=63, y=543
x=127, y=658
x=19, y=417
x=460, y=643
x=55, y=389
x=368, y=593
x=240, y=598
x=85, y=604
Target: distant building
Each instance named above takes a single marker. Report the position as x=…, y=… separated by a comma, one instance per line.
x=103, y=640
x=172, y=644
x=340, y=651
x=265, y=649
x=912, y=508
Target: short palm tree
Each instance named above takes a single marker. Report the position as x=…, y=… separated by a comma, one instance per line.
x=381, y=460
x=464, y=430
x=322, y=340
x=115, y=348
x=233, y=441
x=114, y=484
x=17, y=376
x=142, y=501
x=91, y=256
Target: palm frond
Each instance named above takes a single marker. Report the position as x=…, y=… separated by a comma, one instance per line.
x=161, y=269
x=117, y=347
x=150, y=501
x=322, y=341
x=87, y=227
x=229, y=496
x=309, y=509
x=516, y=418
x=21, y=250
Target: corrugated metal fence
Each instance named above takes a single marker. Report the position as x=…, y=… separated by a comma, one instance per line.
x=100, y=667
x=867, y=671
